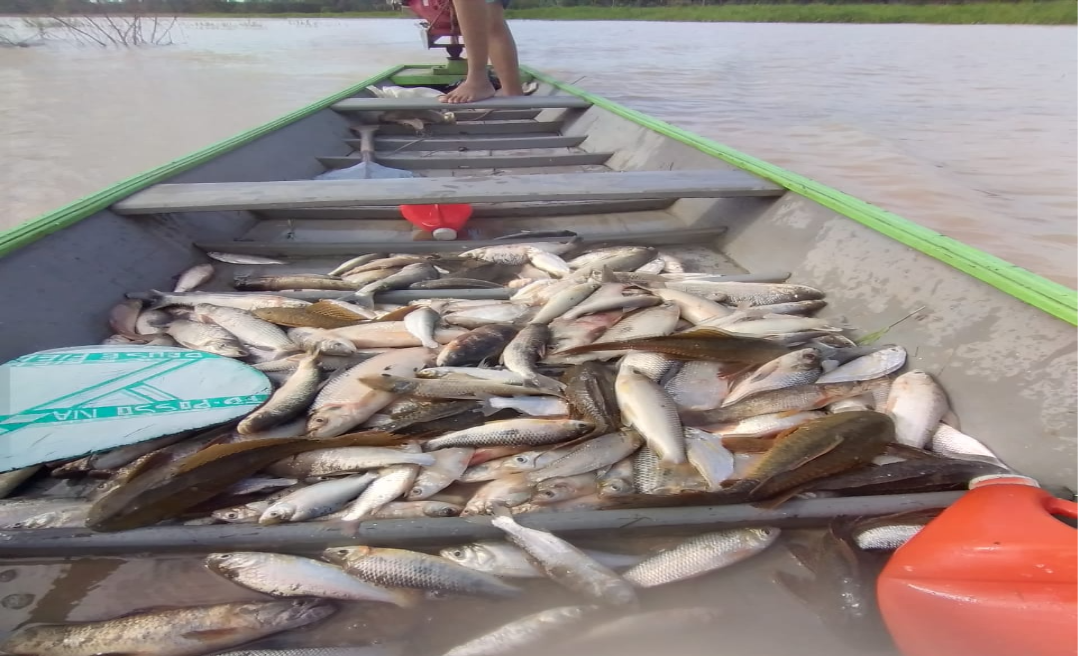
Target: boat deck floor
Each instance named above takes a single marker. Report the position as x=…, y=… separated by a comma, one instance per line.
x=759, y=617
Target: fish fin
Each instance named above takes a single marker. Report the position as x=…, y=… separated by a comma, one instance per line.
x=802, y=553
x=350, y=528
x=327, y=309
x=211, y=634
x=500, y=511
x=784, y=433
x=155, y=297
x=951, y=419
x=802, y=588
x=366, y=300
x=487, y=408
x=788, y=413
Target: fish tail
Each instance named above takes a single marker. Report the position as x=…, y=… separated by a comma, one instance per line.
x=154, y=297
x=350, y=528
x=487, y=408
x=364, y=299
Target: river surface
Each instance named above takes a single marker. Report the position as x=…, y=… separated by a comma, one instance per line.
x=969, y=130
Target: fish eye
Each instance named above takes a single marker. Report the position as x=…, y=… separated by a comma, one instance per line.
x=458, y=553
x=547, y=494
x=232, y=515
x=416, y=491
x=342, y=552
x=521, y=459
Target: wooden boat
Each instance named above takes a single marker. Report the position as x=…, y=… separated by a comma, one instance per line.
x=1000, y=339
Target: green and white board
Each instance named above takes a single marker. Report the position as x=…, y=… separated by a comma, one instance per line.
x=68, y=402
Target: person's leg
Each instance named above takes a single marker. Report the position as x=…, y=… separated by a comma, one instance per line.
x=472, y=15
x=503, y=51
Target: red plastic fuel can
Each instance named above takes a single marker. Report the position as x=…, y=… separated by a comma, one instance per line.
x=993, y=575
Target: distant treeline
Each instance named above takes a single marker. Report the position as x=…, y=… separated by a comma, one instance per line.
x=265, y=7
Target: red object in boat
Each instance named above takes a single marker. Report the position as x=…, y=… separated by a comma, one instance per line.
x=440, y=22
x=439, y=220
x=993, y=575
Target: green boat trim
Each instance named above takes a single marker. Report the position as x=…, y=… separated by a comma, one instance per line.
x=1037, y=291
x=1050, y=297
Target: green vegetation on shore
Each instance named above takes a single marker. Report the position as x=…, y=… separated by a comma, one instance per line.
x=1053, y=12
x=1048, y=12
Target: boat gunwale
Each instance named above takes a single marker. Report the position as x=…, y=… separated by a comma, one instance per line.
x=1052, y=298
x=1037, y=291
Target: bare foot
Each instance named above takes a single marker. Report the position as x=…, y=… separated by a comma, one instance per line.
x=468, y=92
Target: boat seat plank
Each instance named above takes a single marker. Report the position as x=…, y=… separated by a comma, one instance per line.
x=480, y=127
x=321, y=249
x=490, y=211
x=300, y=194
x=410, y=162
x=396, y=144
x=516, y=102
x=495, y=115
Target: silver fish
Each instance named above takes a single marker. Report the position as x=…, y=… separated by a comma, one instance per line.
x=916, y=404
x=701, y=554
x=393, y=483
x=487, y=314
x=698, y=386
x=528, y=630
x=450, y=387
x=526, y=461
x=656, y=366
x=566, y=564
x=370, y=650
x=346, y=402
x=43, y=513
x=800, y=367
x=693, y=308
x=549, y=263
x=257, y=484
x=324, y=342
x=194, y=277
x=408, y=275
x=238, y=300
x=875, y=365
x=564, y=301
x=152, y=322
x=345, y=459
x=790, y=399
x=449, y=465
x=764, y=425
x=709, y=457
x=410, y=509
x=594, y=454
x=288, y=401
x=412, y=569
x=190, y=631
x=316, y=500
x=651, y=411
x=513, y=431
x=234, y=258
x=421, y=324
x=507, y=491
x=525, y=350
x=206, y=337
x=534, y=406
x=506, y=560
x=652, y=476
x=948, y=441
x=359, y=260
x=754, y=293
x=280, y=575
x=650, y=322
x=612, y=296
x=554, y=490
x=652, y=267
x=617, y=480
x=886, y=538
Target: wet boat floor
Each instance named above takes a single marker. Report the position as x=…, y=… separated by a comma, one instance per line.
x=759, y=617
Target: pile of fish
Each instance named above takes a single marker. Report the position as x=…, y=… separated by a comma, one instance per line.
x=527, y=377
x=611, y=379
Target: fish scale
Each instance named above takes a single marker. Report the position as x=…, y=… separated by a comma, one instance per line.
x=701, y=554
x=411, y=569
